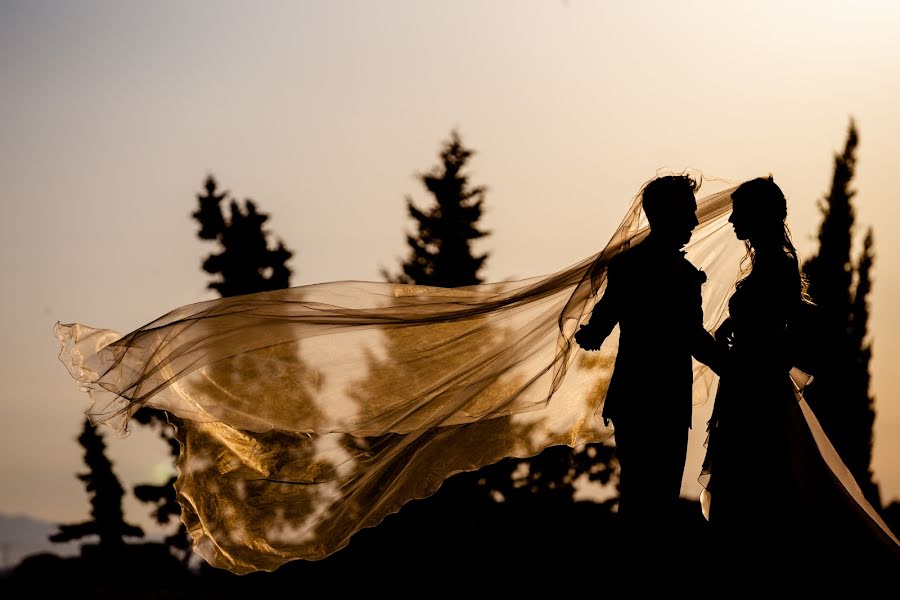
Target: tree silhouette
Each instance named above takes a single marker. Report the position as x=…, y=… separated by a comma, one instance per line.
x=246, y=265
x=550, y=478
x=441, y=255
x=163, y=496
x=839, y=394
x=440, y=251
x=892, y=515
x=108, y=522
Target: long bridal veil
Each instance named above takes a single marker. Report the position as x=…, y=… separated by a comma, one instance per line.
x=309, y=413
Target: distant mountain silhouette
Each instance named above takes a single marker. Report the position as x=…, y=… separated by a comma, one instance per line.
x=21, y=535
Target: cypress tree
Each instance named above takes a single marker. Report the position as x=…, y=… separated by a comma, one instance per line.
x=840, y=286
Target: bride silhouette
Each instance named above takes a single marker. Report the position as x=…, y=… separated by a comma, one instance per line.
x=309, y=413
x=810, y=512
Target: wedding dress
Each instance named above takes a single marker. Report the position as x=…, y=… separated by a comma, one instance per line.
x=309, y=413
x=776, y=493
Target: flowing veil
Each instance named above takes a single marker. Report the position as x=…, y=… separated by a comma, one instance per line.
x=309, y=413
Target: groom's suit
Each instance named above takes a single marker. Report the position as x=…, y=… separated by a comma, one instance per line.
x=653, y=293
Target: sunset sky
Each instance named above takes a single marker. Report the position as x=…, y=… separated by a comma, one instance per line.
x=112, y=114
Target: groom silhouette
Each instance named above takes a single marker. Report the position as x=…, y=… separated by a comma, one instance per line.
x=653, y=293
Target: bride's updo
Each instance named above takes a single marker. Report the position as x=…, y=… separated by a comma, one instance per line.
x=768, y=202
x=763, y=201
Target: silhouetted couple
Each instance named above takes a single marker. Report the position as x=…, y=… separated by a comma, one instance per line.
x=774, y=502
x=438, y=366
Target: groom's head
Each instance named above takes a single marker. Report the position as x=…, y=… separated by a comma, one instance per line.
x=671, y=208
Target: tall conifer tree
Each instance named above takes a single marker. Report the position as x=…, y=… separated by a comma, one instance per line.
x=246, y=265
x=108, y=521
x=440, y=252
x=840, y=286
x=441, y=255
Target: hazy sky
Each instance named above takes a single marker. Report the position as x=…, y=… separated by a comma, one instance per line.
x=112, y=113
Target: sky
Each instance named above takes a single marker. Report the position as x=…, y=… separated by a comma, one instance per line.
x=113, y=113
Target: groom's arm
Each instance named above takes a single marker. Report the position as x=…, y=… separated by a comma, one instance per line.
x=703, y=344
x=605, y=314
x=705, y=349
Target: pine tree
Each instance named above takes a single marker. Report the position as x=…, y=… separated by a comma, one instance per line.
x=440, y=251
x=839, y=395
x=163, y=496
x=246, y=265
x=441, y=255
x=108, y=521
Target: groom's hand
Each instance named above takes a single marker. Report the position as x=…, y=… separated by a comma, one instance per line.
x=724, y=334
x=586, y=339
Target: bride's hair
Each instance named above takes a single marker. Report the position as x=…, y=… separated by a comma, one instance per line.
x=770, y=210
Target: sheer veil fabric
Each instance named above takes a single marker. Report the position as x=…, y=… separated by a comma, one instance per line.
x=309, y=413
